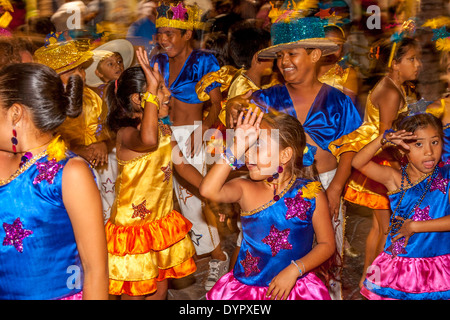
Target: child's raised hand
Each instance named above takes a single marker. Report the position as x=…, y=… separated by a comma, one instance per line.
x=152, y=75
x=247, y=129
x=398, y=138
x=235, y=106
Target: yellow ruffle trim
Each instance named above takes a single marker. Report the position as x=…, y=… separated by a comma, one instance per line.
x=145, y=287
x=156, y=235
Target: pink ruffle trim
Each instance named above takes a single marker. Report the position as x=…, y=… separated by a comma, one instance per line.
x=310, y=287
x=411, y=275
x=76, y=296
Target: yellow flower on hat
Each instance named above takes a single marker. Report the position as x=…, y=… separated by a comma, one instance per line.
x=311, y=190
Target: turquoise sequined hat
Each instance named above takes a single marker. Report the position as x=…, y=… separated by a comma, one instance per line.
x=291, y=30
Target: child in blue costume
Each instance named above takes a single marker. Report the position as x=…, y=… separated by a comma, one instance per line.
x=281, y=214
x=325, y=113
x=413, y=267
x=53, y=240
x=182, y=67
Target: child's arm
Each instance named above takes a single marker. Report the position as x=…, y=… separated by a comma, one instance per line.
x=84, y=207
x=411, y=227
x=336, y=187
x=146, y=137
x=214, y=185
x=184, y=169
x=385, y=175
x=282, y=284
x=213, y=115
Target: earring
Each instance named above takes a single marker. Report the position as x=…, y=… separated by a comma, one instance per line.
x=275, y=176
x=14, y=140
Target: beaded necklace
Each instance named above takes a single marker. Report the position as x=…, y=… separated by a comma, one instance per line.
x=396, y=224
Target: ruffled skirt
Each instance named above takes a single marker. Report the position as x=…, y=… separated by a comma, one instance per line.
x=404, y=278
x=139, y=256
x=309, y=287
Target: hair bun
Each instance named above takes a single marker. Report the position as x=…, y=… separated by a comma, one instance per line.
x=74, y=95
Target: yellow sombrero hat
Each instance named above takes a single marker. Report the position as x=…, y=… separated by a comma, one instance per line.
x=64, y=56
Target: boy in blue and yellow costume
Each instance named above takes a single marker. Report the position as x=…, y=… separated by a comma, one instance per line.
x=182, y=67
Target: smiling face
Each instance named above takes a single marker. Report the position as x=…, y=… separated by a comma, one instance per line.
x=425, y=151
x=296, y=64
x=173, y=41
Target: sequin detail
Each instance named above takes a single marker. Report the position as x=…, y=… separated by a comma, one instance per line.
x=167, y=172
x=439, y=183
x=397, y=248
x=15, y=233
x=421, y=214
x=277, y=240
x=140, y=211
x=47, y=171
x=250, y=264
x=297, y=207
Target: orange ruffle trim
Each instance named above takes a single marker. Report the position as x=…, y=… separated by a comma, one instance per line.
x=156, y=235
x=368, y=200
x=145, y=287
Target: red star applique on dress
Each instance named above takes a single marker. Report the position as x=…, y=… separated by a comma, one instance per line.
x=167, y=172
x=277, y=240
x=140, y=210
x=421, y=214
x=297, y=207
x=439, y=183
x=47, y=171
x=397, y=247
x=15, y=234
x=250, y=264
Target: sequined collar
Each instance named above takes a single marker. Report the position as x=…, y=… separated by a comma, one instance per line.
x=271, y=202
x=23, y=168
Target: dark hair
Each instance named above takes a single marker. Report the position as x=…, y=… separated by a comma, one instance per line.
x=291, y=134
x=8, y=52
x=384, y=48
x=217, y=43
x=417, y=121
x=118, y=94
x=40, y=89
x=245, y=42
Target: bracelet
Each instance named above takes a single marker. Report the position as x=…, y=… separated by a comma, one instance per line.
x=384, y=140
x=299, y=269
x=231, y=159
x=148, y=97
x=224, y=157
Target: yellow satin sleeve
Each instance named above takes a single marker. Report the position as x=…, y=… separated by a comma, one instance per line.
x=223, y=76
x=90, y=126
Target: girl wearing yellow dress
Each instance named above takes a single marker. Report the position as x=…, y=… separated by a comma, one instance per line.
x=148, y=241
x=384, y=103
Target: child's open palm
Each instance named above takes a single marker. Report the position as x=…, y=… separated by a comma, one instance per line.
x=152, y=75
x=247, y=129
x=398, y=138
